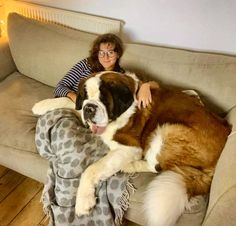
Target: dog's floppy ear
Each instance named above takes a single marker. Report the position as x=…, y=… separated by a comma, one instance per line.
x=81, y=94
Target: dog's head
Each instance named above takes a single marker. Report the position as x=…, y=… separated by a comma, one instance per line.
x=105, y=96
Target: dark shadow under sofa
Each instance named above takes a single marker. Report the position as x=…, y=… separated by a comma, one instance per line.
x=37, y=55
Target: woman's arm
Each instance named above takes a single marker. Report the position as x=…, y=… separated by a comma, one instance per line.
x=153, y=84
x=144, y=93
x=72, y=96
x=68, y=86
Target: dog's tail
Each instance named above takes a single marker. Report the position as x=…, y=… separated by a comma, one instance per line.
x=165, y=199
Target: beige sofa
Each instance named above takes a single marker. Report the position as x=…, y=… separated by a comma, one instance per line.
x=37, y=55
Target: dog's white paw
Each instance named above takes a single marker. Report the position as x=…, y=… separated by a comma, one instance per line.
x=84, y=203
x=50, y=104
x=41, y=107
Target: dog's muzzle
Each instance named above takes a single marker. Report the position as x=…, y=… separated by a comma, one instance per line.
x=89, y=111
x=94, y=114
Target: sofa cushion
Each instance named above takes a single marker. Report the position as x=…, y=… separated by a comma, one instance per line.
x=6, y=63
x=18, y=93
x=212, y=75
x=45, y=51
x=191, y=217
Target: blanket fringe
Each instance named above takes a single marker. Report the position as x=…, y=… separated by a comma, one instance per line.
x=45, y=200
x=124, y=200
x=46, y=208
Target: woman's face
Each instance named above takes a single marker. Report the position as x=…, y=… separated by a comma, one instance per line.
x=107, y=56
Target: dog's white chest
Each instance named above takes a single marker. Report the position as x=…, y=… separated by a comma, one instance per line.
x=154, y=149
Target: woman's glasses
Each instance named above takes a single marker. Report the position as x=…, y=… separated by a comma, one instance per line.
x=109, y=53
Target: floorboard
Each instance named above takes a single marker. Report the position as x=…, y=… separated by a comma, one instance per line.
x=12, y=205
x=9, y=181
x=31, y=214
x=20, y=200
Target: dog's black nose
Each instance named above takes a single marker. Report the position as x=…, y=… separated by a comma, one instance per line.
x=89, y=111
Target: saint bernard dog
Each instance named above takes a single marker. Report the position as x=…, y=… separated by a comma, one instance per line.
x=175, y=136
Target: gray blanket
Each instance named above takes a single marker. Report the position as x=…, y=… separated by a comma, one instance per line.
x=70, y=149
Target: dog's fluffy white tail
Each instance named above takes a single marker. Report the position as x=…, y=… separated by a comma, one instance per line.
x=165, y=199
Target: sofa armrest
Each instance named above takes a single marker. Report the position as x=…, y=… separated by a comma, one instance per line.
x=7, y=65
x=222, y=202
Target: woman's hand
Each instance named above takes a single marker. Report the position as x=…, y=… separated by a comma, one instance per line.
x=144, y=95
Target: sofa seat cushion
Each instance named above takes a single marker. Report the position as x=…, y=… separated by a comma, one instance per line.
x=18, y=93
x=192, y=217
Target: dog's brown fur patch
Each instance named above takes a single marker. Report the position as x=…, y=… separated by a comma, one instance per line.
x=193, y=137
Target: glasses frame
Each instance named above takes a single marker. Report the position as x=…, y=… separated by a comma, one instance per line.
x=109, y=53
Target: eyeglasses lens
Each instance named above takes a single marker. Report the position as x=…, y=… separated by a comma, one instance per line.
x=110, y=53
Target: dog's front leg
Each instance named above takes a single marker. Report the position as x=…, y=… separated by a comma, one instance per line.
x=107, y=166
x=50, y=104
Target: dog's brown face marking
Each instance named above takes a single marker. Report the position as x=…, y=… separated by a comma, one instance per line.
x=81, y=94
x=115, y=92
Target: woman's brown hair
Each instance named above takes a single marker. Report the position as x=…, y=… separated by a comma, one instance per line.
x=105, y=38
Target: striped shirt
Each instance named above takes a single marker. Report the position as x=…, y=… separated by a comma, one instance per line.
x=71, y=80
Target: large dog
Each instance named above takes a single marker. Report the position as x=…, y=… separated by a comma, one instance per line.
x=175, y=136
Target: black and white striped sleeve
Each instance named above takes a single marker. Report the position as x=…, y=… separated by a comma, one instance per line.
x=71, y=79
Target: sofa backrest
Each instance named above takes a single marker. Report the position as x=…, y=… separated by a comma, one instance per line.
x=212, y=75
x=45, y=51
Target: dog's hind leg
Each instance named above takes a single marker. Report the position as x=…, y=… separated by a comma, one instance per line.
x=165, y=199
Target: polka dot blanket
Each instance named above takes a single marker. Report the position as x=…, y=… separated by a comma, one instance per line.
x=70, y=148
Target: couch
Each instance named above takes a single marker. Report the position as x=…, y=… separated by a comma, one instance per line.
x=36, y=55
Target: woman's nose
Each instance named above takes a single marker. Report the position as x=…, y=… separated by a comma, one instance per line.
x=106, y=56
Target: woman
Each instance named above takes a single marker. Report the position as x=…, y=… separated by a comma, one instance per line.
x=105, y=54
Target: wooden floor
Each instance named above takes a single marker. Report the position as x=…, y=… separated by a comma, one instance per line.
x=20, y=201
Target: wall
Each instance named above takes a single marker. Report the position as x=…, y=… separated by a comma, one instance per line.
x=197, y=24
